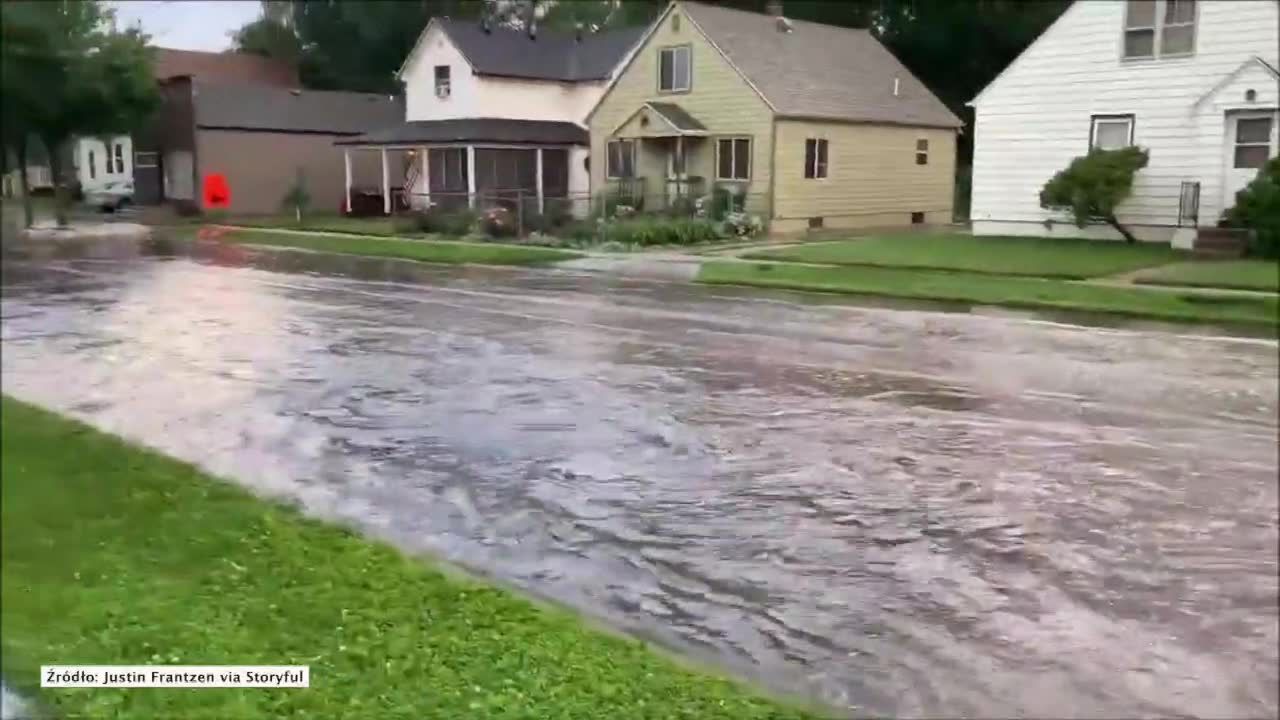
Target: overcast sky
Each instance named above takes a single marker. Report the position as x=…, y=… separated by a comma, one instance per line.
x=187, y=24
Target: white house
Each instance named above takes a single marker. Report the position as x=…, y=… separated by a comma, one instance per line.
x=493, y=114
x=1195, y=82
x=101, y=161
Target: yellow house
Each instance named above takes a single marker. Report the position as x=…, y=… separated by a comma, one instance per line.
x=806, y=125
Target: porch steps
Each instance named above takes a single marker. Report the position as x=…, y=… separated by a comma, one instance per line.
x=1220, y=242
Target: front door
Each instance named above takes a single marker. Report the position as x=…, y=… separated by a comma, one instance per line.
x=1250, y=142
x=676, y=175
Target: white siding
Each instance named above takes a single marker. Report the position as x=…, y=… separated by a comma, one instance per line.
x=483, y=96
x=1034, y=119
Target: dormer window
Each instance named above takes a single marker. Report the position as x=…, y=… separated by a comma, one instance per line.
x=675, y=72
x=442, y=81
x=1159, y=28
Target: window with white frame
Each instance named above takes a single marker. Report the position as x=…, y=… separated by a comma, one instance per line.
x=922, y=151
x=621, y=159
x=675, y=71
x=443, y=86
x=815, y=158
x=733, y=159
x=1253, y=142
x=1159, y=28
x=119, y=158
x=1110, y=132
x=93, y=171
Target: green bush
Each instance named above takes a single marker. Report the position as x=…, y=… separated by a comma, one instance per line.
x=580, y=231
x=1094, y=185
x=1258, y=208
x=442, y=222
x=726, y=200
x=499, y=222
x=652, y=230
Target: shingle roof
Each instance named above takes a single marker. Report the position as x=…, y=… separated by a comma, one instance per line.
x=497, y=130
x=551, y=56
x=820, y=71
x=225, y=67
x=259, y=107
x=679, y=118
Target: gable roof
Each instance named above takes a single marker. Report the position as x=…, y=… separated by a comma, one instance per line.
x=223, y=67
x=261, y=107
x=559, y=56
x=1231, y=76
x=819, y=71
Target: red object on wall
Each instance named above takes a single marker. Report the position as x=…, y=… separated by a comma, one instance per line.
x=217, y=194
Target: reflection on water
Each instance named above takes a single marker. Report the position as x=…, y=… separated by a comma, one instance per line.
x=901, y=512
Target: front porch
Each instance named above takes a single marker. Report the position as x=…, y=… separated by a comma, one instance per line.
x=522, y=165
x=661, y=159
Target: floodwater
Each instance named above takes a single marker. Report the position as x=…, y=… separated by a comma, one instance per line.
x=891, y=511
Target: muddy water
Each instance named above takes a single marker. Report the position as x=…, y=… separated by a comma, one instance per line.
x=891, y=511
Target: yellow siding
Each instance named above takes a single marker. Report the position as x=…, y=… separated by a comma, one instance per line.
x=872, y=178
x=719, y=98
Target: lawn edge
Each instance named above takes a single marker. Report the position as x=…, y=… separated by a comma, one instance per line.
x=35, y=697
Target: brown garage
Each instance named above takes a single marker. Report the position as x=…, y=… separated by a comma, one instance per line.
x=259, y=138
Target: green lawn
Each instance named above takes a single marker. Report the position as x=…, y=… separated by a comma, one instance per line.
x=996, y=290
x=435, y=251
x=321, y=222
x=1239, y=274
x=116, y=555
x=1040, y=257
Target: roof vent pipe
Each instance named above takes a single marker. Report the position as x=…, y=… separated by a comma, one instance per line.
x=577, y=32
x=895, y=87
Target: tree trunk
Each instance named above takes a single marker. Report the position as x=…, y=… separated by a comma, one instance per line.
x=59, y=189
x=27, y=220
x=1120, y=228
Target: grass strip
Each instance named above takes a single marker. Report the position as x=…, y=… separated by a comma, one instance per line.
x=319, y=223
x=1036, y=257
x=113, y=554
x=435, y=251
x=996, y=290
x=1232, y=274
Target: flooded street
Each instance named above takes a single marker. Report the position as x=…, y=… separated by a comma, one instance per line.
x=901, y=512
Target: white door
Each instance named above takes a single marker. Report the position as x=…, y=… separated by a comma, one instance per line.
x=675, y=171
x=1250, y=142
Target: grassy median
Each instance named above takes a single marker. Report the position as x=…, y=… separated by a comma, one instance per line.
x=1261, y=275
x=434, y=251
x=996, y=290
x=1038, y=257
x=116, y=555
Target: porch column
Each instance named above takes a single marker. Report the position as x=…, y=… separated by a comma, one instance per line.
x=538, y=183
x=426, y=178
x=346, y=161
x=471, y=176
x=386, y=183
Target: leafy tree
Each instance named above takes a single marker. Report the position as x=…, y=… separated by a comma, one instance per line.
x=271, y=35
x=1258, y=208
x=1094, y=185
x=69, y=72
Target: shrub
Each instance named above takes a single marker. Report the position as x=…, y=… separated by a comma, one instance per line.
x=741, y=225
x=499, y=222
x=726, y=200
x=580, y=231
x=441, y=222
x=1258, y=209
x=647, y=231
x=1094, y=185
x=297, y=199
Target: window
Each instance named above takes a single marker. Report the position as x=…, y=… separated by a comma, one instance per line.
x=1253, y=142
x=621, y=159
x=733, y=159
x=1169, y=25
x=442, y=81
x=145, y=159
x=1178, y=31
x=1111, y=132
x=674, y=69
x=93, y=171
x=120, y=158
x=922, y=151
x=815, y=158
